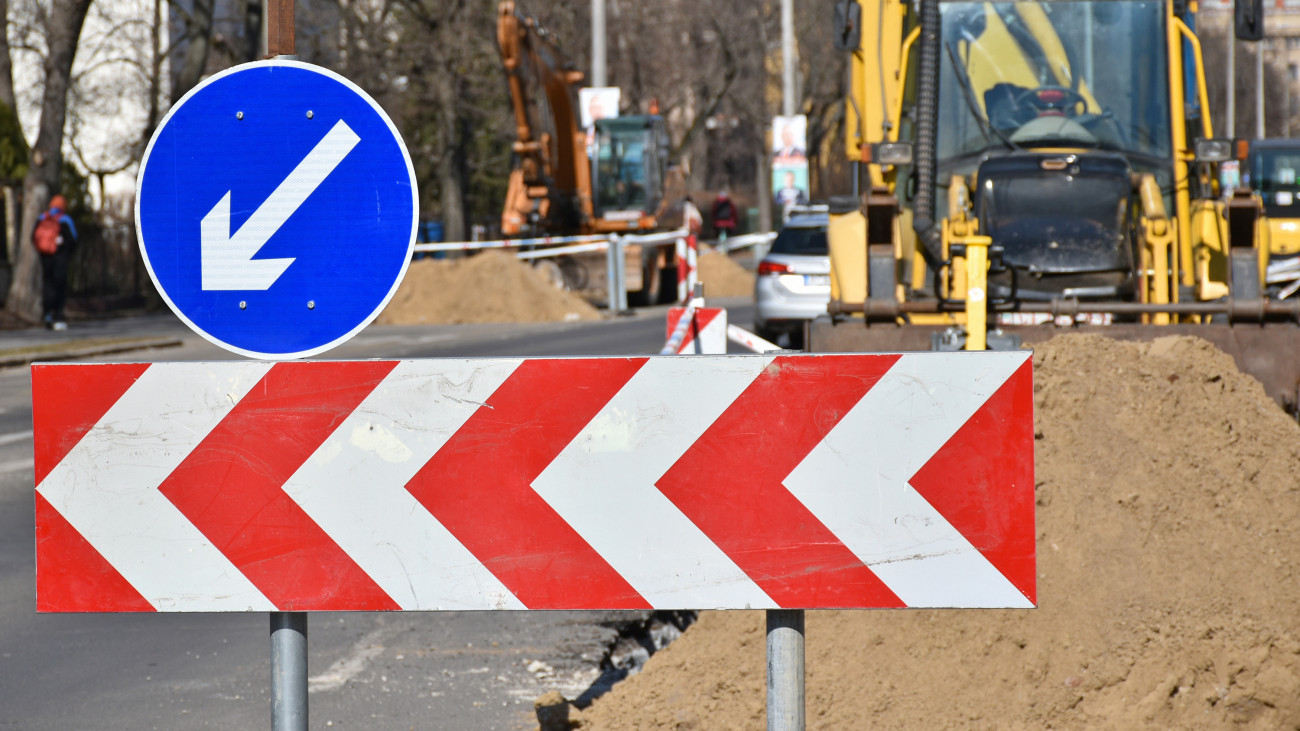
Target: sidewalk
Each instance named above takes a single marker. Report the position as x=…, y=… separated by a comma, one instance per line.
x=87, y=338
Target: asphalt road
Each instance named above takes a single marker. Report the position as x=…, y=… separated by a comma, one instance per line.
x=451, y=670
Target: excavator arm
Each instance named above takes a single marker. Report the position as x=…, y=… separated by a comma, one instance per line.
x=550, y=184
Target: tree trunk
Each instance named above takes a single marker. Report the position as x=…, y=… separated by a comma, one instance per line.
x=198, y=28
x=155, y=77
x=6, y=63
x=450, y=180
x=42, y=179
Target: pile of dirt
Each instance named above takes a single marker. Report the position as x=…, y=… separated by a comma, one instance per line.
x=1168, y=543
x=723, y=277
x=488, y=287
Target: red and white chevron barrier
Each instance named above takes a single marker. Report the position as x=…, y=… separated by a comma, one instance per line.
x=696, y=331
x=688, y=261
x=591, y=483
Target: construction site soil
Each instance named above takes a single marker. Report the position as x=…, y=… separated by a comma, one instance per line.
x=494, y=286
x=1168, y=545
x=723, y=277
x=491, y=286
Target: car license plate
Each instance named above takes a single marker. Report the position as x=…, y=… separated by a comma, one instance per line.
x=817, y=280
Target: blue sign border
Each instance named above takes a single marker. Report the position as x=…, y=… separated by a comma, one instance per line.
x=144, y=249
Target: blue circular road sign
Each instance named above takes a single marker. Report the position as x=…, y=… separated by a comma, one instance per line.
x=276, y=209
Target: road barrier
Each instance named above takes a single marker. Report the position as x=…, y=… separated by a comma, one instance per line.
x=696, y=330
x=744, y=241
x=745, y=473
x=741, y=336
x=685, y=319
x=688, y=257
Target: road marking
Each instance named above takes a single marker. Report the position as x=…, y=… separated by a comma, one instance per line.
x=17, y=466
x=15, y=437
x=346, y=668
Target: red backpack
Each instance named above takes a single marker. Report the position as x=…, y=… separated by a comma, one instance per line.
x=46, y=235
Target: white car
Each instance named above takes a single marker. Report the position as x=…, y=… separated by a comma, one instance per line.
x=794, y=280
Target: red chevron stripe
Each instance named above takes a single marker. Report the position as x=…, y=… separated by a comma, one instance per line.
x=71, y=576
x=479, y=484
x=993, y=502
x=748, y=451
x=703, y=317
x=229, y=486
x=66, y=403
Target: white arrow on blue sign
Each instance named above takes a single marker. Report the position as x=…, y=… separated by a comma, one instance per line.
x=276, y=209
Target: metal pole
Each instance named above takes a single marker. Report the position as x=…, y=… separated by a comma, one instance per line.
x=620, y=273
x=1232, y=81
x=788, y=57
x=279, y=28
x=598, y=43
x=288, y=671
x=611, y=276
x=1259, y=90
x=785, y=698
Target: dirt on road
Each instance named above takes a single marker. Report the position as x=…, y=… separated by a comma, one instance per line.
x=491, y=286
x=1168, y=521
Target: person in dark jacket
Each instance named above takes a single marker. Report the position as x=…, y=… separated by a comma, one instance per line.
x=724, y=215
x=55, y=250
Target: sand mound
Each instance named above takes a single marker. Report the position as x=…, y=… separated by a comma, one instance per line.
x=1168, y=540
x=723, y=277
x=488, y=287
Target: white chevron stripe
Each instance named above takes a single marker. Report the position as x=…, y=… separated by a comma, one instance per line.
x=855, y=481
x=603, y=483
x=354, y=486
x=712, y=338
x=134, y=447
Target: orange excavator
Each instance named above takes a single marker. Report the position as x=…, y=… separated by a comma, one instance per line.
x=566, y=180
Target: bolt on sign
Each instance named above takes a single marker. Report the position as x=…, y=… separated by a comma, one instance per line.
x=757, y=481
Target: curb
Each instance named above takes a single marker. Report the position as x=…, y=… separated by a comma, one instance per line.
x=21, y=357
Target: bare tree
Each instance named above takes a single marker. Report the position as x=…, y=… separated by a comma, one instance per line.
x=1214, y=48
x=62, y=28
x=198, y=22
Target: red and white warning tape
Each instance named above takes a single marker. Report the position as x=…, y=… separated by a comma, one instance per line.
x=745, y=338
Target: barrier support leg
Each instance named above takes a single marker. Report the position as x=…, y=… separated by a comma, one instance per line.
x=620, y=272
x=288, y=671
x=611, y=277
x=785, y=696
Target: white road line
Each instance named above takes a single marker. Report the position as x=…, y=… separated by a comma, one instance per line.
x=17, y=466
x=611, y=467
x=14, y=437
x=354, y=485
x=137, y=529
x=344, y=669
x=856, y=480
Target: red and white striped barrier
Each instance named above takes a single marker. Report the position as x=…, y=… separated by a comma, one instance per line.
x=560, y=244
x=688, y=259
x=743, y=241
x=747, y=339
x=591, y=483
x=696, y=331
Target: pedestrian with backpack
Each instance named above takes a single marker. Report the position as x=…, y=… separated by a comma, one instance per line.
x=55, y=237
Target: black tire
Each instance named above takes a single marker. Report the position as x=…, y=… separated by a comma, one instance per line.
x=575, y=273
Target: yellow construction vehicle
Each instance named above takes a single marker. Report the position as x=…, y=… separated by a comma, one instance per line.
x=1040, y=166
x=557, y=186
x=1273, y=171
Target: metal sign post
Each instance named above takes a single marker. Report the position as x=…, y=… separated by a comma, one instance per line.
x=288, y=629
x=785, y=696
x=289, y=671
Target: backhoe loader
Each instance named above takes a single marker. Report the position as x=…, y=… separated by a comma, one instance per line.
x=566, y=180
x=1038, y=167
